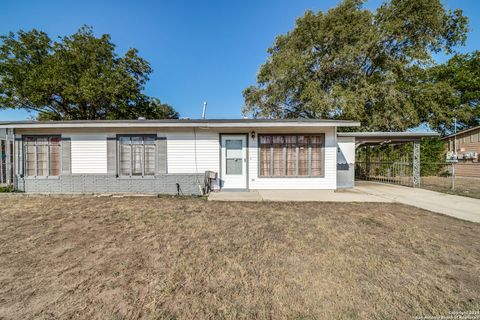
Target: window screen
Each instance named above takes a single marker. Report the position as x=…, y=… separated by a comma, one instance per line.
x=42, y=155
x=291, y=155
x=137, y=155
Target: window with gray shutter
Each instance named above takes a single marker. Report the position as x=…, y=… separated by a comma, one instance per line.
x=42, y=155
x=137, y=155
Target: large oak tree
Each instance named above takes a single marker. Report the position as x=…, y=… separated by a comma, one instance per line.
x=352, y=63
x=77, y=77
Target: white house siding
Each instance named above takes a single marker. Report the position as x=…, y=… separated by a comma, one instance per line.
x=329, y=181
x=88, y=153
x=181, y=147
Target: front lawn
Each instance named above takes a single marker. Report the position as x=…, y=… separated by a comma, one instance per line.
x=171, y=258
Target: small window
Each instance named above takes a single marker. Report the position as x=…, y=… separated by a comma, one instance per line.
x=42, y=155
x=291, y=155
x=137, y=155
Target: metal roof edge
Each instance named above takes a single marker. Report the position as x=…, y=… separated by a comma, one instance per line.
x=379, y=134
x=461, y=132
x=178, y=123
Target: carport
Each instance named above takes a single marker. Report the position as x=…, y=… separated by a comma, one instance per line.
x=396, y=163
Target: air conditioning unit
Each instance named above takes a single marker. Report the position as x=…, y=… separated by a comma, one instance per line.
x=471, y=155
x=451, y=156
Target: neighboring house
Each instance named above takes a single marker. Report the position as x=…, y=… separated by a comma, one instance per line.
x=466, y=144
x=173, y=156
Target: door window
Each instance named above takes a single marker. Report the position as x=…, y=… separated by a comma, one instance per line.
x=234, y=159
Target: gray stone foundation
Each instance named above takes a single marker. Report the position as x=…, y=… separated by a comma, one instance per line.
x=190, y=184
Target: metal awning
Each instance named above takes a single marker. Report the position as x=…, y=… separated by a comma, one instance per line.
x=378, y=138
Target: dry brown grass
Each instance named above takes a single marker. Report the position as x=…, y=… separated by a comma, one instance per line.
x=169, y=258
x=464, y=186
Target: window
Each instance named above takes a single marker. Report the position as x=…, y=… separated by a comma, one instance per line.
x=137, y=155
x=291, y=155
x=42, y=155
x=234, y=157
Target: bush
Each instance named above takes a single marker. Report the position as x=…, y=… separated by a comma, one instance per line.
x=6, y=189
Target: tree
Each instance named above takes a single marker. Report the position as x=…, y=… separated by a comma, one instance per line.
x=452, y=91
x=78, y=77
x=149, y=108
x=351, y=63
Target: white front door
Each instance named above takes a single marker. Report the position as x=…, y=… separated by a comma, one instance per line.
x=234, y=161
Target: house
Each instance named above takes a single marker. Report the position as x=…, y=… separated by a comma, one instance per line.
x=176, y=156
x=466, y=145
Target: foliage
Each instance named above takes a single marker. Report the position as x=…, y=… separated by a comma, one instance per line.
x=153, y=108
x=432, y=156
x=77, y=77
x=351, y=63
x=452, y=90
x=6, y=189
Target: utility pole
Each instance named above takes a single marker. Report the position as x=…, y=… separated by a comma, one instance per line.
x=204, y=110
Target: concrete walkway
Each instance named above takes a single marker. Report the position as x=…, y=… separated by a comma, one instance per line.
x=456, y=206
x=350, y=195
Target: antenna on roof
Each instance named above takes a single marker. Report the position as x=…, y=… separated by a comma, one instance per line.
x=204, y=110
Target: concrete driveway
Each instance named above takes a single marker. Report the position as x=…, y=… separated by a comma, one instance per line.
x=456, y=206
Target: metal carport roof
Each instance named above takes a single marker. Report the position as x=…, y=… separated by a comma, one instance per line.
x=375, y=138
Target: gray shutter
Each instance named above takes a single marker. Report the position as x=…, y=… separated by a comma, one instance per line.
x=112, y=155
x=19, y=156
x=161, y=155
x=66, y=156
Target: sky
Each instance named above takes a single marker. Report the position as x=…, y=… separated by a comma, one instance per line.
x=199, y=50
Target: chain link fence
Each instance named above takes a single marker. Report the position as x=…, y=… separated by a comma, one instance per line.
x=462, y=178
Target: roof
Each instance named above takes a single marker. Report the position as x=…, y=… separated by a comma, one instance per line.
x=181, y=123
x=387, y=137
x=461, y=132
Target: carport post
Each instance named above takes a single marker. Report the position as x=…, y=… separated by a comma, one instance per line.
x=416, y=164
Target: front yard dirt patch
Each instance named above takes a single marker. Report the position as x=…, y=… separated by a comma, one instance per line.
x=169, y=258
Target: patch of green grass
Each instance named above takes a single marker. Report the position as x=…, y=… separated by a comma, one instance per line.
x=6, y=189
